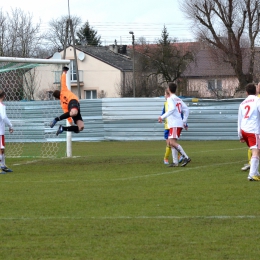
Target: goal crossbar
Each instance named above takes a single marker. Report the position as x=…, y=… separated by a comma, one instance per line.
x=31, y=60
x=14, y=63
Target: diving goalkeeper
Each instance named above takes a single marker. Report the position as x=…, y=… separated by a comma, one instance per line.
x=70, y=106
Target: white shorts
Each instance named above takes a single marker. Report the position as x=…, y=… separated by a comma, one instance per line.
x=174, y=132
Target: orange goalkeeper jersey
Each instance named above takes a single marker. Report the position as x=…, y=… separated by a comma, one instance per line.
x=66, y=96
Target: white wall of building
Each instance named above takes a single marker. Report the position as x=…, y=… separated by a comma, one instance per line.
x=97, y=75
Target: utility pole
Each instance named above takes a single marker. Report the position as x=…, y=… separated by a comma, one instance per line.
x=133, y=43
x=69, y=27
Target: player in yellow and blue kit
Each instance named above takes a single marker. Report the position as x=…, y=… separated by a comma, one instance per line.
x=166, y=130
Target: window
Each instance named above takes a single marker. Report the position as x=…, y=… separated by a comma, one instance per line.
x=215, y=84
x=219, y=84
x=90, y=94
x=73, y=73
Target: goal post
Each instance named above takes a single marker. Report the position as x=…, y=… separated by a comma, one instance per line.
x=28, y=84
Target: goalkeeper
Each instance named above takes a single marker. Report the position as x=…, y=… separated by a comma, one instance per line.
x=70, y=106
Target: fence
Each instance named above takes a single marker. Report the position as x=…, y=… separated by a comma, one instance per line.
x=123, y=119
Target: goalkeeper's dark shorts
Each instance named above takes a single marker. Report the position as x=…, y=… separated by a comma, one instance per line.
x=75, y=104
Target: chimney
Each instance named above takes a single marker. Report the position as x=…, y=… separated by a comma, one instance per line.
x=114, y=47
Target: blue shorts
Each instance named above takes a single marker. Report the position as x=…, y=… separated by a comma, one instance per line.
x=166, y=133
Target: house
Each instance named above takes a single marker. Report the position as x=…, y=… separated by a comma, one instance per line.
x=102, y=71
x=107, y=71
x=207, y=76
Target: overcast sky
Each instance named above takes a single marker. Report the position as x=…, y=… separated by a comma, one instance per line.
x=113, y=19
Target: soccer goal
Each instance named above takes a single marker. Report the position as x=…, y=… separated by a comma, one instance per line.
x=28, y=85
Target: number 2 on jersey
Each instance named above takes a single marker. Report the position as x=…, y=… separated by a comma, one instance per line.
x=247, y=111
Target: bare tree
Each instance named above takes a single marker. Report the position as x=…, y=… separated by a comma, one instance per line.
x=3, y=32
x=102, y=94
x=145, y=86
x=141, y=41
x=31, y=83
x=167, y=60
x=20, y=37
x=57, y=33
x=23, y=37
x=46, y=93
x=158, y=64
x=231, y=28
x=170, y=60
x=44, y=50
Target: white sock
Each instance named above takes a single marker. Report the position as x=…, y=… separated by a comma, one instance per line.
x=180, y=149
x=174, y=155
x=3, y=160
x=254, y=166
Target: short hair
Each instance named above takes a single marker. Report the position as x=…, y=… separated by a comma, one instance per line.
x=56, y=94
x=172, y=87
x=2, y=93
x=65, y=68
x=251, y=89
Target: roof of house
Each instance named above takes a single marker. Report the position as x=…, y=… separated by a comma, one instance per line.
x=205, y=65
x=182, y=46
x=210, y=64
x=207, y=62
x=117, y=60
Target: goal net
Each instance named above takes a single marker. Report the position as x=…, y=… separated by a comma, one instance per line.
x=28, y=85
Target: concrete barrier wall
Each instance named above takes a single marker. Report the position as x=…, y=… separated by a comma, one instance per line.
x=123, y=119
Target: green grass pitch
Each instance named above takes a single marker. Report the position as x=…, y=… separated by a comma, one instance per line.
x=117, y=200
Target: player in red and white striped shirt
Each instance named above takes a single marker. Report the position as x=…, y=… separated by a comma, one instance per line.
x=249, y=128
x=176, y=123
x=4, y=120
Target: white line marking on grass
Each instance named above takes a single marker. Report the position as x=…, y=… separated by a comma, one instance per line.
x=35, y=161
x=180, y=217
x=24, y=163
x=175, y=171
x=129, y=217
x=42, y=158
x=181, y=169
x=230, y=149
